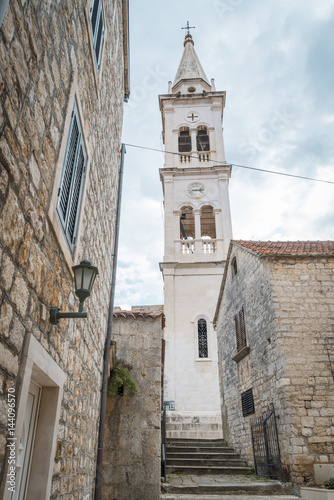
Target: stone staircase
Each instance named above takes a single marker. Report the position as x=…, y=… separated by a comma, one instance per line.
x=203, y=457
x=211, y=470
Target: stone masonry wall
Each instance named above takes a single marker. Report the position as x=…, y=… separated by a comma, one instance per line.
x=259, y=370
x=303, y=298
x=132, y=441
x=44, y=56
x=289, y=308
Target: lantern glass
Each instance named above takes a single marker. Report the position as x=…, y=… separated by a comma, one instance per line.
x=87, y=278
x=84, y=277
x=78, y=278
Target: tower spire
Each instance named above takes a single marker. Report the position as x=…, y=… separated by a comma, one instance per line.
x=190, y=67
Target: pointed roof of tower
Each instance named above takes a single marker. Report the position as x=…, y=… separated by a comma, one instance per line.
x=190, y=66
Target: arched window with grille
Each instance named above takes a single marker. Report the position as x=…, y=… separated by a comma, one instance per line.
x=202, y=139
x=202, y=331
x=184, y=140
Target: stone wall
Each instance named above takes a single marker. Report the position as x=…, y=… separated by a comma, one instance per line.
x=46, y=60
x=250, y=288
x=132, y=441
x=303, y=298
x=289, y=309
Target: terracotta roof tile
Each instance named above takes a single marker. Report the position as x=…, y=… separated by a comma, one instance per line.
x=136, y=314
x=288, y=247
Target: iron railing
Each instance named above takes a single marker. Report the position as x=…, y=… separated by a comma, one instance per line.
x=163, y=443
x=267, y=457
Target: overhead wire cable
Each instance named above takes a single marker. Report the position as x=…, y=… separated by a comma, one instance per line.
x=285, y=174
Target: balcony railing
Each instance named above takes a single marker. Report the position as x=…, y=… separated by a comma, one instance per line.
x=203, y=156
x=185, y=158
x=187, y=247
x=200, y=246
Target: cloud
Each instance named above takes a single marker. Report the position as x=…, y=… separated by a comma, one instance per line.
x=275, y=60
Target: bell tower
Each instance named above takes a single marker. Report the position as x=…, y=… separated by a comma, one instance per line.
x=198, y=229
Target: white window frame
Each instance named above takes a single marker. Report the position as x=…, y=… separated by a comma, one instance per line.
x=97, y=62
x=70, y=257
x=71, y=176
x=208, y=333
x=97, y=31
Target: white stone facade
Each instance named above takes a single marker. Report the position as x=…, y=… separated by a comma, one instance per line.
x=197, y=234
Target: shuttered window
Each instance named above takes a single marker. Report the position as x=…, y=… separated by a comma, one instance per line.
x=71, y=182
x=202, y=338
x=247, y=402
x=97, y=27
x=240, y=330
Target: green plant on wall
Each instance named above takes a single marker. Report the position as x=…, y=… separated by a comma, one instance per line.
x=120, y=378
x=329, y=484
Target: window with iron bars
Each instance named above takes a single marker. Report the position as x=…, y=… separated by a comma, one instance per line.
x=202, y=338
x=240, y=330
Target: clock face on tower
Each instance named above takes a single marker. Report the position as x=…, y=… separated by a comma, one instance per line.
x=196, y=190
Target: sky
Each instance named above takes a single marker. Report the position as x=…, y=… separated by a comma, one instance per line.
x=274, y=59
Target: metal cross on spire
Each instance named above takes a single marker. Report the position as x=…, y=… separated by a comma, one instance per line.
x=188, y=28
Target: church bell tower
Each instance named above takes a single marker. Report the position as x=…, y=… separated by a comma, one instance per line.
x=198, y=229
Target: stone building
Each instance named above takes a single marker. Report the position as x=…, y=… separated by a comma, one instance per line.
x=132, y=444
x=275, y=327
x=63, y=79
x=197, y=233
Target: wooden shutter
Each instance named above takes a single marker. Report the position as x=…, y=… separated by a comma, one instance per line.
x=247, y=402
x=71, y=183
x=240, y=330
x=97, y=26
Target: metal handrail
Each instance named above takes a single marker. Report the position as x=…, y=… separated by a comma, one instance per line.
x=163, y=443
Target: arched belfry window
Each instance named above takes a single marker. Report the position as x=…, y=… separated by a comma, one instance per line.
x=187, y=224
x=208, y=223
x=202, y=331
x=187, y=230
x=184, y=140
x=202, y=139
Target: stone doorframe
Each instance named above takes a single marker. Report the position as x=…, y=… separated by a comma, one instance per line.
x=38, y=366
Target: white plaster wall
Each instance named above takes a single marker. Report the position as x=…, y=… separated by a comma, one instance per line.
x=194, y=381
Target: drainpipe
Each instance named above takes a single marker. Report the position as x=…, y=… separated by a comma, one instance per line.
x=108, y=339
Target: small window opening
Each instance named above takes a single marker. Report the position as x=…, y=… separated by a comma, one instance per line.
x=240, y=330
x=202, y=338
x=184, y=140
x=203, y=143
x=234, y=267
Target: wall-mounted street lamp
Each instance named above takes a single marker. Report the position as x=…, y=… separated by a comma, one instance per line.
x=84, y=277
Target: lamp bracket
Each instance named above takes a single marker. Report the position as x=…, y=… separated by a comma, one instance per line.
x=55, y=315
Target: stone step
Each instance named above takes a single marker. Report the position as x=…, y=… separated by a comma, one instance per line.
x=203, y=456
x=236, y=489
x=201, y=470
x=235, y=496
x=199, y=449
x=205, y=462
x=208, y=443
